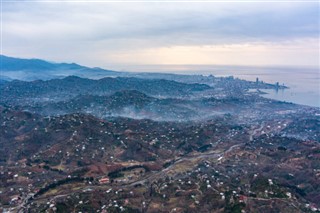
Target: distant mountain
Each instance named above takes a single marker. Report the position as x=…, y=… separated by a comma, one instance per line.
x=37, y=69
x=72, y=86
x=129, y=97
x=18, y=64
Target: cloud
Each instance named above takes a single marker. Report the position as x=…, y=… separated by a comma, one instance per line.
x=305, y=54
x=102, y=33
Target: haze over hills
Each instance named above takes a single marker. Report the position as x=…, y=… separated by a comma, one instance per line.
x=228, y=123
x=186, y=97
x=16, y=64
x=36, y=69
x=140, y=142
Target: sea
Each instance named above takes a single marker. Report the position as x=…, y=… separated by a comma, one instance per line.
x=303, y=82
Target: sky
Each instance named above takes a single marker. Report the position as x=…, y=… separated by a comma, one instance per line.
x=123, y=34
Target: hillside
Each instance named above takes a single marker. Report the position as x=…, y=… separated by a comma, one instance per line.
x=209, y=165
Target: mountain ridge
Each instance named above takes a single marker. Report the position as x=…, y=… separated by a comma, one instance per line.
x=14, y=64
x=38, y=69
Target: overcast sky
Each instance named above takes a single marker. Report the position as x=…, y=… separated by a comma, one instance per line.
x=110, y=34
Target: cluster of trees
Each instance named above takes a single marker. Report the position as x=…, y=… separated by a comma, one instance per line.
x=61, y=182
x=117, y=173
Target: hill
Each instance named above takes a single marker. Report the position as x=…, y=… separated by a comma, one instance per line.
x=77, y=161
x=37, y=69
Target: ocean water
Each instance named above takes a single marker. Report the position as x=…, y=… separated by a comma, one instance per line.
x=303, y=83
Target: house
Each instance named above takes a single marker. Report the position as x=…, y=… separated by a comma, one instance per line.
x=243, y=199
x=104, y=180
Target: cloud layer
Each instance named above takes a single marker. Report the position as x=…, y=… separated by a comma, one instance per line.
x=105, y=33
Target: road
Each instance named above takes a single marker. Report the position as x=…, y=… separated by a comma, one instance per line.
x=150, y=178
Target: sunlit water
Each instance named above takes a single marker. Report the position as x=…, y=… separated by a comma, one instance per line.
x=304, y=83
